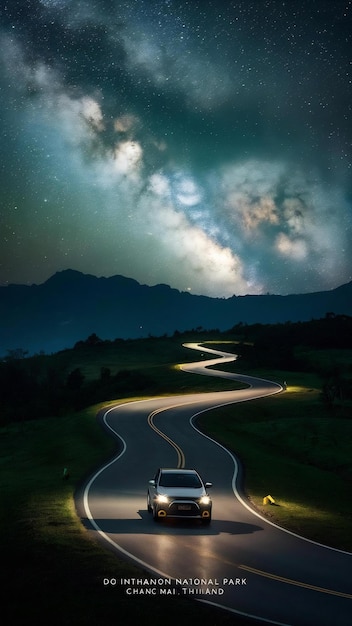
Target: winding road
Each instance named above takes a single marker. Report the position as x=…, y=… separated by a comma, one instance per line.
x=242, y=562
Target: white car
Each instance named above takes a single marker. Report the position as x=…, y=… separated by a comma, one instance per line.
x=179, y=493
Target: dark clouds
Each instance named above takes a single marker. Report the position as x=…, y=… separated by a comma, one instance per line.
x=206, y=145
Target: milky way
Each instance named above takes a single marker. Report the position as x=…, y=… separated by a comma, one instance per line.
x=202, y=144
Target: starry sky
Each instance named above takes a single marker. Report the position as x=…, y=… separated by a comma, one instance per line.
x=203, y=144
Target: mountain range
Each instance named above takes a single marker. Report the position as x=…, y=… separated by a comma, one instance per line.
x=70, y=306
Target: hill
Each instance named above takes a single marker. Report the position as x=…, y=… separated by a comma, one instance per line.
x=70, y=306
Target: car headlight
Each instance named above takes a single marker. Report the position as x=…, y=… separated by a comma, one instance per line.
x=162, y=499
x=204, y=500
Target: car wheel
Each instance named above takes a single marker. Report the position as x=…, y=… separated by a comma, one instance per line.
x=155, y=514
x=149, y=506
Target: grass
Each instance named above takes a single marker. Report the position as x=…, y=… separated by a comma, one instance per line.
x=326, y=358
x=295, y=450
x=290, y=447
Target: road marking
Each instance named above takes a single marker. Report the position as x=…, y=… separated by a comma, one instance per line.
x=181, y=461
x=297, y=583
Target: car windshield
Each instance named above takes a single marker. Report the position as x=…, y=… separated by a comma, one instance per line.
x=179, y=480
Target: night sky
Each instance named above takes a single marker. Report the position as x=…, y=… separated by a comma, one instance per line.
x=201, y=144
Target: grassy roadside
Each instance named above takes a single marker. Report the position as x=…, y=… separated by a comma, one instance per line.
x=297, y=451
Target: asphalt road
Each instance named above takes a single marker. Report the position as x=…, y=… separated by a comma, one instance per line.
x=241, y=561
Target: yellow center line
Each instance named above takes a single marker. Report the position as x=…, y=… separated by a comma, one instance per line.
x=180, y=464
x=297, y=583
x=181, y=461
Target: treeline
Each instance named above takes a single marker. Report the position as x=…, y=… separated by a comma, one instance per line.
x=332, y=331
x=30, y=393
x=284, y=347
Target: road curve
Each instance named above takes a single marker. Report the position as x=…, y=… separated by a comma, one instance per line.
x=241, y=562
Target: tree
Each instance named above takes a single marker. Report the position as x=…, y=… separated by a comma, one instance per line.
x=75, y=379
x=16, y=354
x=93, y=340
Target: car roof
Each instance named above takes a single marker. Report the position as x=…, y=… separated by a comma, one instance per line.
x=170, y=470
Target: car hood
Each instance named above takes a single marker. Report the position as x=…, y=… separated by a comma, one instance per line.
x=181, y=492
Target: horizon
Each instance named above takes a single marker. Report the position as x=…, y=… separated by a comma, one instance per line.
x=72, y=270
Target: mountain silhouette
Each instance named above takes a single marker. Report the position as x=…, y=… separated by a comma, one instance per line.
x=70, y=306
